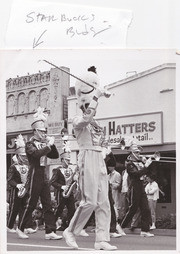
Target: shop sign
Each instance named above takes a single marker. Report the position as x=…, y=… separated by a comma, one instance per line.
x=10, y=140
x=146, y=129
x=54, y=129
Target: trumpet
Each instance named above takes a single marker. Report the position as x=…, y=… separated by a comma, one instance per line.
x=156, y=156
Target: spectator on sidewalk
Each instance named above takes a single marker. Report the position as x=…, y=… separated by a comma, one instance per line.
x=124, y=195
x=152, y=191
x=114, y=183
x=110, y=160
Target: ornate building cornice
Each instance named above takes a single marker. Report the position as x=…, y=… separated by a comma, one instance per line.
x=29, y=81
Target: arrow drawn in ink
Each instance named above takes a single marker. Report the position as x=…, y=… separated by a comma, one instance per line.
x=38, y=42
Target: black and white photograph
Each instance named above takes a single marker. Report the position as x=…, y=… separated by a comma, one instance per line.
x=89, y=121
x=90, y=149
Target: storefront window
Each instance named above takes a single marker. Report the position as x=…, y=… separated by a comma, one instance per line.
x=164, y=182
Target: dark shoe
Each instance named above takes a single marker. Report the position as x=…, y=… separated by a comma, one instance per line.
x=60, y=228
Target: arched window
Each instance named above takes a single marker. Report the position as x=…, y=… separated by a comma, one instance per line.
x=11, y=105
x=21, y=103
x=44, y=98
x=32, y=101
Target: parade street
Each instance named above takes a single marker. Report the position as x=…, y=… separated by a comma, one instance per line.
x=36, y=242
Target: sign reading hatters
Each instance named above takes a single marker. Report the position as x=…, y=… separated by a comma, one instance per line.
x=146, y=129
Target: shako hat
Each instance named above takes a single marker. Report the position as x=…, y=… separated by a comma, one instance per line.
x=20, y=145
x=84, y=92
x=40, y=119
x=65, y=156
x=134, y=147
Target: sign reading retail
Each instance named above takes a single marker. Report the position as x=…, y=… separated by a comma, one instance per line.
x=146, y=129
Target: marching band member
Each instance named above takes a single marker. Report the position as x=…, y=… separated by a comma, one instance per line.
x=17, y=177
x=137, y=167
x=93, y=179
x=58, y=181
x=65, y=181
x=38, y=149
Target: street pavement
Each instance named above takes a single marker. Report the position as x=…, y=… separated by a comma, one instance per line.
x=36, y=242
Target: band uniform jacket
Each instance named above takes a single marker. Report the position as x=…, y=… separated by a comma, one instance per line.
x=13, y=177
x=34, y=155
x=57, y=181
x=135, y=170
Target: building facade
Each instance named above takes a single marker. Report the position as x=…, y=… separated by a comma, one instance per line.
x=25, y=94
x=142, y=107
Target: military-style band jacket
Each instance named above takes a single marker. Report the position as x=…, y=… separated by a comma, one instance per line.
x=14, y=176
x=57, y=179
x=35, y=154
x=135, y=169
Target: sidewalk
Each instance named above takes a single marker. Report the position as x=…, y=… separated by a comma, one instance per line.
x=165, y=232
x=160, y=232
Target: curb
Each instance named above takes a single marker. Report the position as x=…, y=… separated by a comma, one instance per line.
x=157, y=231
x=161, y=232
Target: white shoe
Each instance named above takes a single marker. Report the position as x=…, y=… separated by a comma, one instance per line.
x=120, y=230
x=70, y=239
x=11, y=230
x=115, y=235
x=83, y=233
x=30, y=230
x=21, y=234
x=152, y=227
x=104, y=246
x=52, y=236
x=146, y=234
x=58, y=223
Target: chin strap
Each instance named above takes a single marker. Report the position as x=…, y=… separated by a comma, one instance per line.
x=88, y=91
x=41, y=139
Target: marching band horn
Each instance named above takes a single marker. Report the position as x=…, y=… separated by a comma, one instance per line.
x=156, y=156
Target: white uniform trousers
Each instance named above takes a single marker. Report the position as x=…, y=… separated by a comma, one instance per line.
x=93, y=183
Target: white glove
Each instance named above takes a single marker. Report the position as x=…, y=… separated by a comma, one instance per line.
x=76, y=177
x=143, y=159
x=107, y=94
x=102, y=92
x=63, y=187
x=99, y=92
x=19, y=186
x=51, y=141
x=148, y=162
